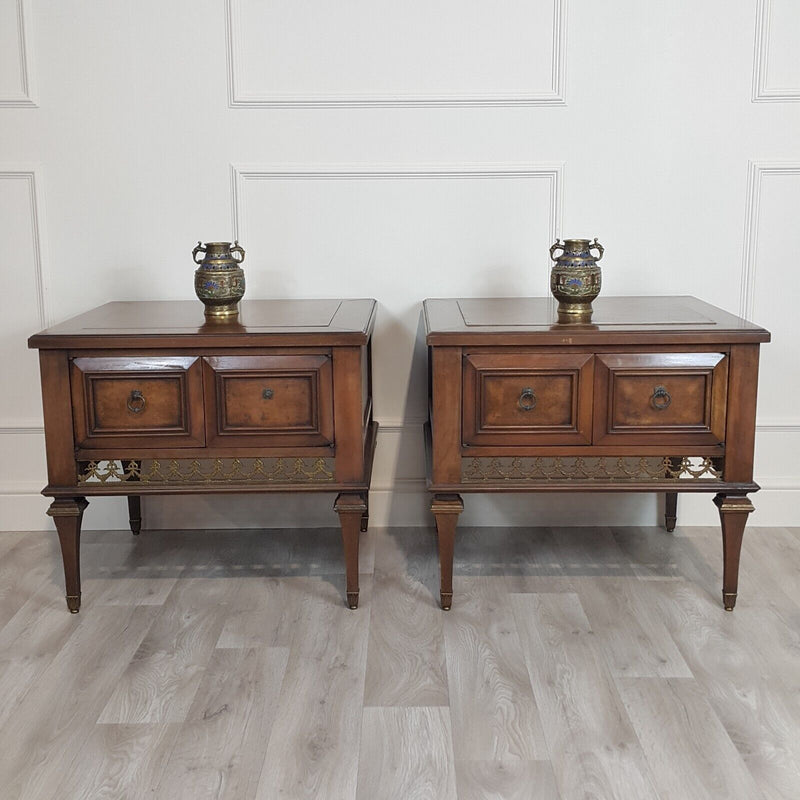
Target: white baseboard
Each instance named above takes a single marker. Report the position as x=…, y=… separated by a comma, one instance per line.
x=407, y=506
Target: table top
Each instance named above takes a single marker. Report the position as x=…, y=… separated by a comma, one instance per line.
x=181, y=323
x=616, y=320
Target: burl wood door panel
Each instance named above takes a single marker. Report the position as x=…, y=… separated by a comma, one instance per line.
x=274, y=400
x=151, y=401
x=527, y=399
x=660, y=398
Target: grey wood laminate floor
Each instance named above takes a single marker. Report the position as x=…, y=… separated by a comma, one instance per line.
x=576, y=663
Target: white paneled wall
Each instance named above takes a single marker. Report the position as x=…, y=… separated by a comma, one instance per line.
x=397, y=151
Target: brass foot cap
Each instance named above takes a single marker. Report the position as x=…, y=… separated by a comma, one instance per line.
x=446, y=600
x=364, y=524
x=352, y=600
x=73, y=603
x=728, y=600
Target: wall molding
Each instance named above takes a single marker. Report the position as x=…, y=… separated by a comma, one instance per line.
x=552, y=172
x=757, y=170
x=762, y=93
x=237, y=98
x=29, y=174
x=27, y=97
x=779, y=426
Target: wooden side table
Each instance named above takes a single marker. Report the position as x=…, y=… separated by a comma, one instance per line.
x=146, y=398
x=656, y=394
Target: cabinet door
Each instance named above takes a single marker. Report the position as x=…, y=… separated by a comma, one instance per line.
x=527, y=399
x=281, y=400
x=128, y=400
x=660, y=398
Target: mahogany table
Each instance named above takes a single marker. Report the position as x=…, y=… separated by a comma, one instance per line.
x=144, y=398
x=655, y=394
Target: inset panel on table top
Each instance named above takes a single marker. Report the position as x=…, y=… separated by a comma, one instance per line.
x=662, y=397
x=533, y=311
x=527, y=399
x=182, y=324
x=150, y=400
x=272, y=400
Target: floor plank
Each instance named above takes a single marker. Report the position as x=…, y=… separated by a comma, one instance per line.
x=406, y=659
x=688, y=750
x=313, y=749
x=506, y=780
x=406, y=753
x=161, y=680
x=66, y=699
x=120, y=762
x=633, y=637
x=593, y=748
x=263, y=612
x=493, y=711
x=221, y=747
x=760, y=715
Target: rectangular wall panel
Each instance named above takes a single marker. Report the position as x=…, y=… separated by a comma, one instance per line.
x=777, y=58
x=23, y=304
x=771, y=285
x=284, y=52
x=769, y=296
x=15, y=69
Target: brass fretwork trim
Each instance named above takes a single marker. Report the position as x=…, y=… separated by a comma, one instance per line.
x=207, y=471
x=603, y=468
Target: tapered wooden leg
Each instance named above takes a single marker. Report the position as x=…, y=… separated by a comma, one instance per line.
x=733, y=511
x=671, y=510
x=351, y=509
x=446, y=508
x=68, y=515
x=135, y=513
x=365, y=515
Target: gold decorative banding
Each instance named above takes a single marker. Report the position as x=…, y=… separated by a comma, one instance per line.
x=207, y=471
x=594, y=468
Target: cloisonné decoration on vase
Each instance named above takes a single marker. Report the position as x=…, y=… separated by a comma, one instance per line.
x=575, y=278
x=219, y=278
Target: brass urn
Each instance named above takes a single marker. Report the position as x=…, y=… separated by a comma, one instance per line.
x=219, y=278
x=575, y=278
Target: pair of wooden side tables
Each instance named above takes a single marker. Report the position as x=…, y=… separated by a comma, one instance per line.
x=656, y=394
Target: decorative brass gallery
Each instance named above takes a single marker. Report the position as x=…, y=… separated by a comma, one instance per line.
x=208, y=470
x=605, y=468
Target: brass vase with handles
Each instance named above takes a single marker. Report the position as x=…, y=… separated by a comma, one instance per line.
x=219, y=278
x=575, y=278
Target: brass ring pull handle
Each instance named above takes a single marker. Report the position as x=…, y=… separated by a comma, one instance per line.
x=268, y=394
x=136, y=402
x=597, y=246
x=556, y=246
x=661, y=398
x=527, y=400
x=237, y=248
x=199, y=249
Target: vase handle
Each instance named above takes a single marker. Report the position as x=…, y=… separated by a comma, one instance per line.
x=237, y=248
x=597, y=246
x=199, y=249
x=556, y=246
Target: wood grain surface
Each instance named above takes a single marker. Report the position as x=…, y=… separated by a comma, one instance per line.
x=579, y=663
x=406, y=753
